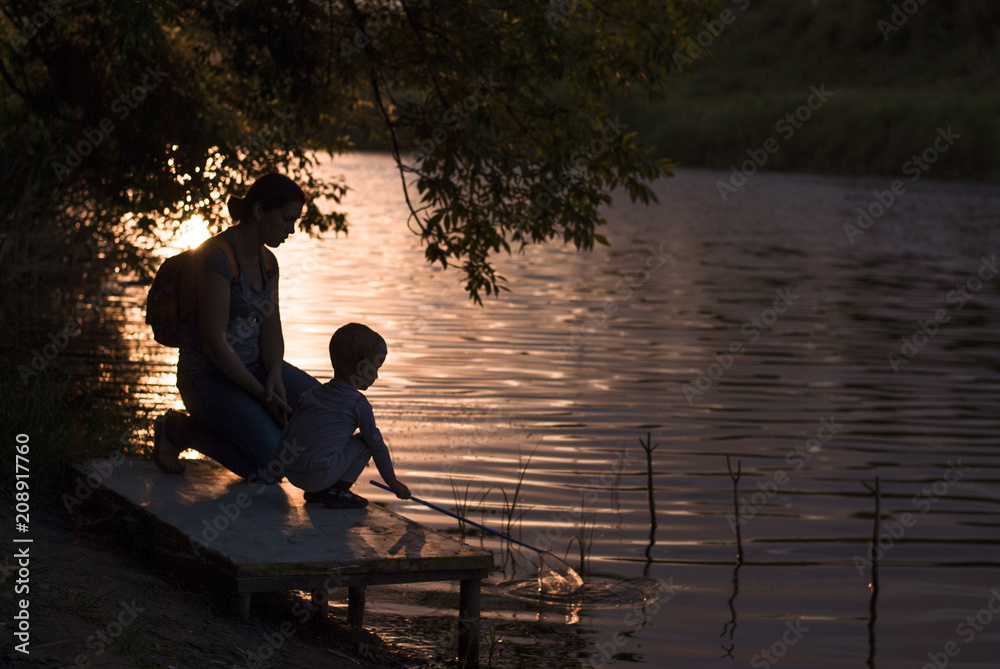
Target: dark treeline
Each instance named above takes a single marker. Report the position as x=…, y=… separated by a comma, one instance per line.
x=897, y=70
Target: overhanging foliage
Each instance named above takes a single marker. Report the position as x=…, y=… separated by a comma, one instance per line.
x=120, y=115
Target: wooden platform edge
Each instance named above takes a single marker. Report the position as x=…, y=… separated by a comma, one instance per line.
x=353, y=578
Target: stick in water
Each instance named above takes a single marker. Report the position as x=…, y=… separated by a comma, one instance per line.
x=464, y=520
x=571, y=579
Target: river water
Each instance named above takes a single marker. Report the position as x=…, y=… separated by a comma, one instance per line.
x=817, y=358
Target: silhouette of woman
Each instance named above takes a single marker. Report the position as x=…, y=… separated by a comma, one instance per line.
x=231, y=372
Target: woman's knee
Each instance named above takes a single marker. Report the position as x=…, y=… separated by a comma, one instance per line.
x=296, y=383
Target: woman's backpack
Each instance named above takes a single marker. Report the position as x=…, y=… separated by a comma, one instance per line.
x=172, y=297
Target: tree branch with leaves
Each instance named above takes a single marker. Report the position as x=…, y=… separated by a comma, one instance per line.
x=496, y=114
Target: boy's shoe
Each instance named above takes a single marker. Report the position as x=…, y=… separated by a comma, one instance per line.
x=336, y=496
x=343, y=499
x=165, y=453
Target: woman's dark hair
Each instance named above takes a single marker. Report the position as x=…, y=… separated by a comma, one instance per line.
x=272, y=191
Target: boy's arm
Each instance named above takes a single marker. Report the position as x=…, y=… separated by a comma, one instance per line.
x=380, y=452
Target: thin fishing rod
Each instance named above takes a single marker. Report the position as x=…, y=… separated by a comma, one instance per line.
x=466, y=520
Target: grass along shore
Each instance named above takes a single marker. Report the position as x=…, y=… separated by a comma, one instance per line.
x=827, y=130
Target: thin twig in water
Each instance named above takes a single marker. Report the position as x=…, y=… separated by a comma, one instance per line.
x=616, y=502
x=876, y=536
x=649, y=447
x=736, y=505
x=729, y=629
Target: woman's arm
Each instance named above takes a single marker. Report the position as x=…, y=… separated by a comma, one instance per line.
x=213, y=317
x=272, y=342
x=272, y=349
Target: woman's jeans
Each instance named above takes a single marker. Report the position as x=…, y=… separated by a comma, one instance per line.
x=230, y=425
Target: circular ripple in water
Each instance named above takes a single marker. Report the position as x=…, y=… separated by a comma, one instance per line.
x=599, y=591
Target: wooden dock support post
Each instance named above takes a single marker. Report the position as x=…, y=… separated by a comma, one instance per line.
x=320, y=597
x=468, y=623
x=356, y=605
x=241, y=605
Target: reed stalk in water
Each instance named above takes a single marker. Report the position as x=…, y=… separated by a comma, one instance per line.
x=736, y=505
x=510, y=504
x=463, y=506
x=649, y=447
x=584, y=541
x=495, y=639
x=876, y=535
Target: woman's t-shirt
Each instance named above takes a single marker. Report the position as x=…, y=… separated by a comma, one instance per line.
x=247, y=308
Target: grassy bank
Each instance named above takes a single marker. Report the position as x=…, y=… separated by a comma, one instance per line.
x=852, y=132
x=896, y=78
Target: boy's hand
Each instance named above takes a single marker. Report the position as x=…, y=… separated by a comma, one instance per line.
x=402, y=492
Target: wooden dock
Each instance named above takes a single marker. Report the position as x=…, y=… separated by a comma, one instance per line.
x=266, y=538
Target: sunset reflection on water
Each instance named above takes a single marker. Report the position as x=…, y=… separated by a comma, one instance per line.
x=467, y=393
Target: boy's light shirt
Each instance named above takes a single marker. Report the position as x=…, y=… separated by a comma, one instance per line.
x=323, y=424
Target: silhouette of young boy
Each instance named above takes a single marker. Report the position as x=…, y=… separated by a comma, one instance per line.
x=327, y=455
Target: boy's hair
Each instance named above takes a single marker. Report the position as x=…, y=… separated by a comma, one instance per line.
x=352, y=346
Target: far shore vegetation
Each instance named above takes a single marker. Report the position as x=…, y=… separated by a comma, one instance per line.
x=897, y=72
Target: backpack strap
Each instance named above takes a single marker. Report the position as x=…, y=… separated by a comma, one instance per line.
x=270, y=262
x=226, y=246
